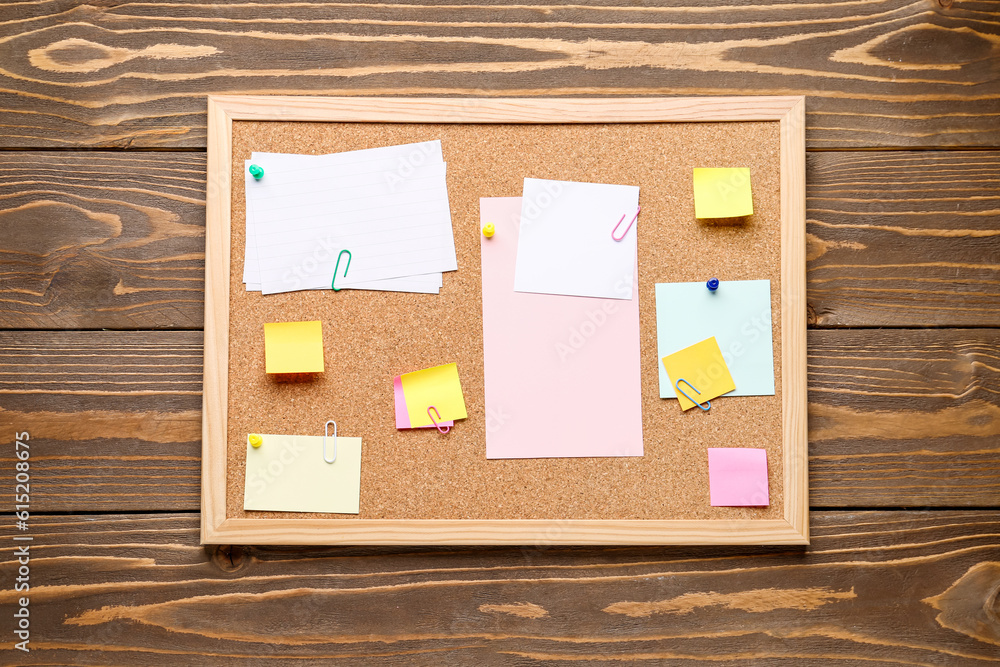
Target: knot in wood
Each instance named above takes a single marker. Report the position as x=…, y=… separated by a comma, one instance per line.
x=229, y=558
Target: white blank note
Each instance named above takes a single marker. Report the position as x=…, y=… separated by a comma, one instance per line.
x=565, y=244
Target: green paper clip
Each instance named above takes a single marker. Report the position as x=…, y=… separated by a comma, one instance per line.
x=333, y=283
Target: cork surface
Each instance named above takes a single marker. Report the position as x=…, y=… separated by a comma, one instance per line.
x=370, y=337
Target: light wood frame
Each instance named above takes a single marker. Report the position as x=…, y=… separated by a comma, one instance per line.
x=216, y=528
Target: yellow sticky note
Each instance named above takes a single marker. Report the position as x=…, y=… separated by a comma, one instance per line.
x=703, y=366
x=438, y=386
x=287, y=473
x=293, y=347
x=722, y=192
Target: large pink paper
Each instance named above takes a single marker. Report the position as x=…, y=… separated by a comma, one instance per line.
x=737, y=477
x=562, y=372
x=402, y=415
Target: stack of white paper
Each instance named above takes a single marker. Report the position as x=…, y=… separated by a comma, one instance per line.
x=387, y=206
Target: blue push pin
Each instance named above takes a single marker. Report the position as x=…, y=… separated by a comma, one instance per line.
x=712, y=284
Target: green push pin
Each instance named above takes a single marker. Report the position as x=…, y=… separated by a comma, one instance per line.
x=256, y=172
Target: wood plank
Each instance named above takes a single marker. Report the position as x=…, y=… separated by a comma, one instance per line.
x=102, y=240
x=790, y=109
x=900, y=418
x=904, y=418
x=904, y=239
x=875, y=588
x=114, y=418
x=99, y=240
x=878, y=72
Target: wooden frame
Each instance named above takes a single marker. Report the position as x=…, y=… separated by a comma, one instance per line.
x=216, y=528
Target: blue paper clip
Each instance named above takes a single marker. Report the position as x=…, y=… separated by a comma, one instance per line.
x=333, y=283
x=705, y=407
x=326, y=432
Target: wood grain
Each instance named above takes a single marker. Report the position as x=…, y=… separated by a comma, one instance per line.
x=215, y=396
x=900, y=418
x=114, y=417
x=894, y=239
x=794, y=345
x=905, y=418
x=101, y=240
x=878, y=73
x=897, y=417
x=510, y=110
x=875, y=588
x=904, y=239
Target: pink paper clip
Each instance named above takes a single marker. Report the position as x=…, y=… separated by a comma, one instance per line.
x=631, y=222
x=440, y=430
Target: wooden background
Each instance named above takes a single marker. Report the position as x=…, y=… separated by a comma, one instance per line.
x=102, y=186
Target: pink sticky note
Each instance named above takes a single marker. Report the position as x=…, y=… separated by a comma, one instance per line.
x=562, y=372
x=737, y=477
x=402, y=415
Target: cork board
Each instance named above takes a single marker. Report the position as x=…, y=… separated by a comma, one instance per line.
x=410, y=478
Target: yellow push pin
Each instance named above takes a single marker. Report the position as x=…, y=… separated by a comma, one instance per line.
x=256, y=440
x=489, y=230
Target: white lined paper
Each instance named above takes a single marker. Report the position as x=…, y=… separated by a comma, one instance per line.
x=387, y=206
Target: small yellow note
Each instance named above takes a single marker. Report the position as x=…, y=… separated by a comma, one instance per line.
x=287, y=473
x=703, y=366
x=438, y=386
x=293, y=347
x=722, y=192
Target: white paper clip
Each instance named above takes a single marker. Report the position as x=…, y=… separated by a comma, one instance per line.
x=326, y=432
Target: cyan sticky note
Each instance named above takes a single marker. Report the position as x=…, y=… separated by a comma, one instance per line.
x=738, y=315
